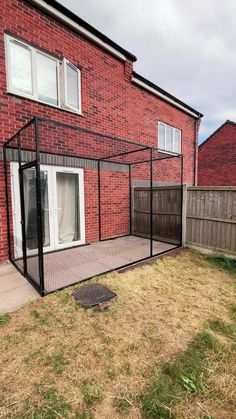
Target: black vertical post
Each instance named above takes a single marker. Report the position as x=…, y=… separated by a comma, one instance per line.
x=151, y=190
x=22, y=205
x=130, y=200
x=182, y=196
x=99, y=201
x=39, y=209
x=7, y=202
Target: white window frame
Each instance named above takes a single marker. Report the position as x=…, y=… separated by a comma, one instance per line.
x=65, y=64
x=61, y=76
x=35, y=52
x=161, y=150
x=10, y=88
x=53, y=209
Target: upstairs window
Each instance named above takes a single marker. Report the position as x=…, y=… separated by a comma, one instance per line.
x=72, y=86
x=169, y=138
x=33, y=74
x=47, y=79
x=20, y=68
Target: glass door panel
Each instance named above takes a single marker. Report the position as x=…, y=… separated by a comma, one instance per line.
x=30, y=207
x=31, y=224
x=29, y=182
x=45, y=207
x=62, y=206
x=68, y=217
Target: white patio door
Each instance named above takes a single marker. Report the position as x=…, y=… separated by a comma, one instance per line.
x=68, y=207
x=62, y=197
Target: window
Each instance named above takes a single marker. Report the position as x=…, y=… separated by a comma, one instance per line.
x=20, y=68
x=33, y=74
x=47, y=79
x=72, y=86
x=169, y=138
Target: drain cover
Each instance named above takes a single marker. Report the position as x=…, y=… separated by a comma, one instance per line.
x=92, y=295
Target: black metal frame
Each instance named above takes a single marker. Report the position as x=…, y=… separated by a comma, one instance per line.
x=114, y=158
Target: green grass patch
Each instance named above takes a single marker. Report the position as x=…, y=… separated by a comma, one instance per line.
x=57, y=362
x=123, y=404
x=35, y=314
x=225, y=263
x=84, y=415
x=92, y=392
x=4, y=319
x=186, y=374
x=50, y=405
x=233, y=312
x=227, y=330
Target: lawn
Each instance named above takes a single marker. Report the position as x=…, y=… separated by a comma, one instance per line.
x=165, y=348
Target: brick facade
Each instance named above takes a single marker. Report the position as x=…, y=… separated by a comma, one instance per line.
x=217, y=157
x=111, y=104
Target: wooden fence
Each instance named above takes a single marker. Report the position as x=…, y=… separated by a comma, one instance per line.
x=211, y=217
x=167, y=213
x=208, y=215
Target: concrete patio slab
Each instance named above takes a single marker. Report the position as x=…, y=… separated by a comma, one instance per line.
x=77, y=264
x=73, y=265
x=15, y=290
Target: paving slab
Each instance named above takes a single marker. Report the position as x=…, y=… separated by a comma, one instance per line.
x=76, y=264
x=15, y=290
x=72, y=265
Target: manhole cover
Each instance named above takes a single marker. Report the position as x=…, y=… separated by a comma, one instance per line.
x=92, y=295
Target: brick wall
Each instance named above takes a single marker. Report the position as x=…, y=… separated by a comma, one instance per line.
x=217, y=158
x=111, y=104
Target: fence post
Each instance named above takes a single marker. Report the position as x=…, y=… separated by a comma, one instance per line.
x=184, y=214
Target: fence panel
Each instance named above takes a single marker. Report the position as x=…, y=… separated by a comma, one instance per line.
x=211, y=217
x=167, y=213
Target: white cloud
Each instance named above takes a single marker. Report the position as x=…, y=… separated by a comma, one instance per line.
x=226, y=114
x=184, y=46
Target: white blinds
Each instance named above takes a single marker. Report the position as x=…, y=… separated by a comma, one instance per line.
x=161, y=136
x=47, y=79
x=72, y=86
x=169, y=139
x=177, y=145
x=34, y=74
x=21, y=68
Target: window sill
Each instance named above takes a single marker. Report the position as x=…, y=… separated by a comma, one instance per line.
x=11, y=93
x=171, y=153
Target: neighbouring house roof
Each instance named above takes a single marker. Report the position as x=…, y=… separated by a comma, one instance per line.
x=217, y=130
x=61, y=13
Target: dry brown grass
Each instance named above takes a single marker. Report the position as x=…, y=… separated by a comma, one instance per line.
x=102, y=362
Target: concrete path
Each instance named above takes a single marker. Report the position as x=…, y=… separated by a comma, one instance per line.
x=15, y=290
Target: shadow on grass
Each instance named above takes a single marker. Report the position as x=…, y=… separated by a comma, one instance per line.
x=225, y=263
x=186, y=374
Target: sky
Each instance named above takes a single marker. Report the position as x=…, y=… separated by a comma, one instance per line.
x=186, y=47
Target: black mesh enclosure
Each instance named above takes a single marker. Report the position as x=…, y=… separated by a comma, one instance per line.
x=82, y=203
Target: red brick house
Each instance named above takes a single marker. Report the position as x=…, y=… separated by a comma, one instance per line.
x=54, y=65
x=217, y=157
